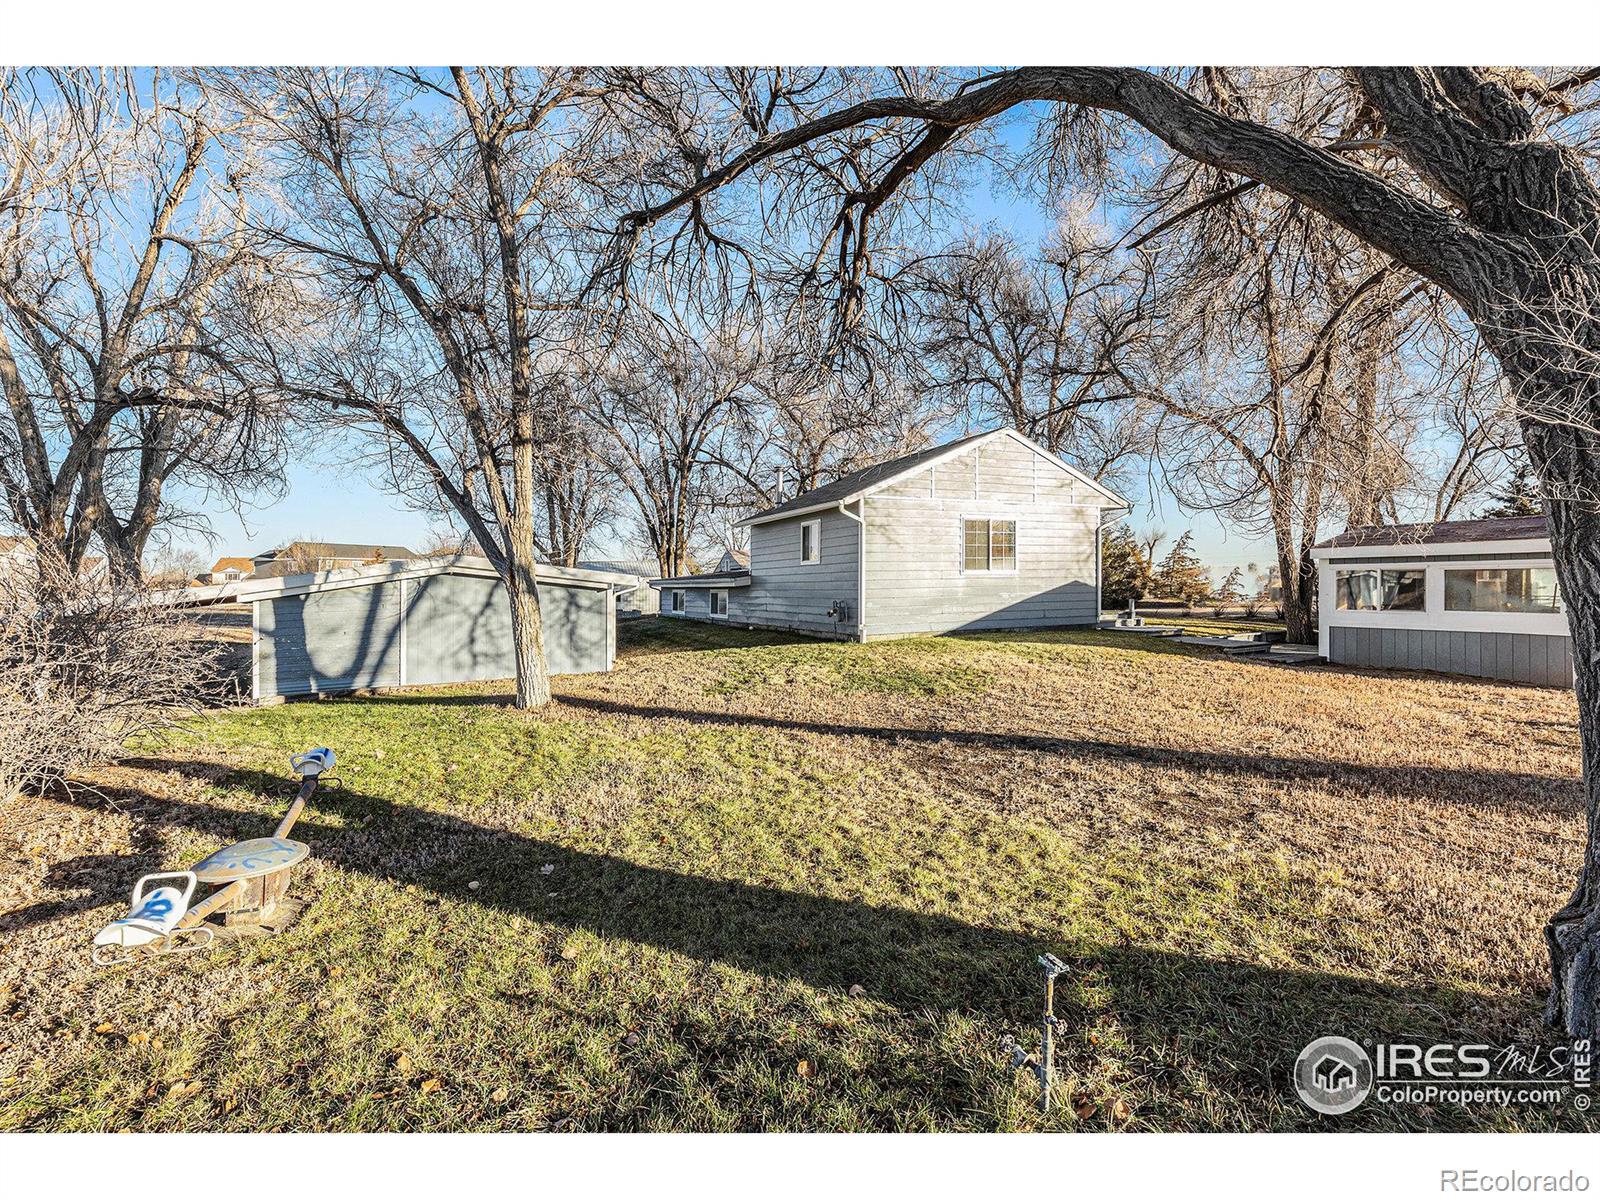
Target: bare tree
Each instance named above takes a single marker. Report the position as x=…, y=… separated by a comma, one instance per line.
x=673, y=395
x=427, y=217
x=1488, y=200
x=1036, y=343
x=119, y=236
x=807, y=422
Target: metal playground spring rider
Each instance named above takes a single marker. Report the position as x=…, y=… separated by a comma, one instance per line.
x=252, y=879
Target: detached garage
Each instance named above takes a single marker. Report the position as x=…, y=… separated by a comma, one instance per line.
x=1464, y=597
x=419, y=622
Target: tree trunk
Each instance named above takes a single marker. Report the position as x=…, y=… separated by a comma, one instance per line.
x=1299, y=626
x=527, y=637
x=1568, y=461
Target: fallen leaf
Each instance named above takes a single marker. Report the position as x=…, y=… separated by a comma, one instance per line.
x=1121, y=1110
x=229, y=1104
x=857, y=991
x=137, y=1039
x=403, y=1064
x=805, y=1068
x=547, y=869
x=474, y=885
x=500, y=1095
x=105, y=1027
x=430, y=1085
x=1084, y=1107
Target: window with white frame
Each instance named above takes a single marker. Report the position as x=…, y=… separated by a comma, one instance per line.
x=677, y=601
x=719, y=602
x=988, y=544
x=811, y=541
x=1495, y=589
x=1381, y=591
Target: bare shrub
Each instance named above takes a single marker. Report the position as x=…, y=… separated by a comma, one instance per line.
x=85, y=665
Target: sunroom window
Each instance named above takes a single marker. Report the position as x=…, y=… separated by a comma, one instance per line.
x=1508, y=589
x=1381, y=591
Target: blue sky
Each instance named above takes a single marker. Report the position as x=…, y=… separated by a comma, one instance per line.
x=332, y=500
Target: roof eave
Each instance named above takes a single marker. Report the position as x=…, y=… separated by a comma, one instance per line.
x=1532, y=547
x=711, y=581
x=825, y=506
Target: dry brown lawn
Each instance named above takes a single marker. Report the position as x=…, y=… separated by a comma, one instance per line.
x=769, y=852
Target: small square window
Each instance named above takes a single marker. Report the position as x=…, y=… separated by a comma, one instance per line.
x=811, y=541
x=988, y=545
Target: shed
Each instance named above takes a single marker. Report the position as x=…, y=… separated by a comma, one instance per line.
x=1463, y=597
x=419, y=622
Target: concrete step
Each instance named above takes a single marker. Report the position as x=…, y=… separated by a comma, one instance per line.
x=1227, y=645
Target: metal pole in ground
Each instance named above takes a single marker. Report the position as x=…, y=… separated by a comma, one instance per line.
x=1053, y=967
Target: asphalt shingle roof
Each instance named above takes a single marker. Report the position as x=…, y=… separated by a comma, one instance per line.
x=848, y=485
x=1489, y=529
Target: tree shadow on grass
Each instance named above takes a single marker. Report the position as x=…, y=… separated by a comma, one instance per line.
x=1478, y=786
x=1246, y=1020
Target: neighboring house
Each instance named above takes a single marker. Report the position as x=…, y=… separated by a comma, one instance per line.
x=1465, y=597
x=733, y=560
x=634, y=597
x=297, y=557
x=988, y=532
x=431, y=621
x=226, y=570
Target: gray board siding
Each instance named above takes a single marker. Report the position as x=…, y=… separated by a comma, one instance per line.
x=915, y=577
x=1537, y=658
x=457, y=629
x=786, y=593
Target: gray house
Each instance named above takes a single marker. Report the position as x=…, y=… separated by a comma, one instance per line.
x=1464, y=597
x=425, y=621
x=988, y=532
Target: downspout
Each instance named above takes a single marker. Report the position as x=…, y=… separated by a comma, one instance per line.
x=861, y=565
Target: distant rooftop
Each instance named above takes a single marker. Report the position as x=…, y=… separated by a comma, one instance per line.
x=341, y=550
x=645, y=567
x=1489, y=529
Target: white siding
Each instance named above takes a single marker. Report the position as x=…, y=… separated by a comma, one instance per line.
x=915, y=581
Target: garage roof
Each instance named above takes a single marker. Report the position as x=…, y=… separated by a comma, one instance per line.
x=249, y=591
